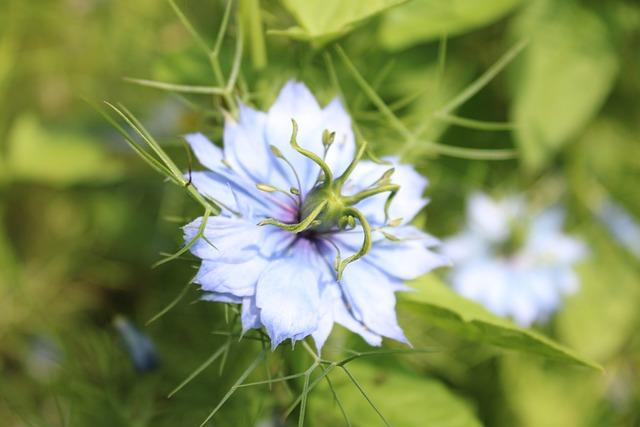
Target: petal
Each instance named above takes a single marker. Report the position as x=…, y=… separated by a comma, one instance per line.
x=486, y=282
x=288, y=298
x=218, y=297
x=492, y=219
x=228, y=239
x=372, y=300
x=247, y=151
x=295, y=101
x=227, y=193
x=465, y=247
x=250, y=316
x=343, y=316
x=207, y=153
x=234, y=278
x=405, y=259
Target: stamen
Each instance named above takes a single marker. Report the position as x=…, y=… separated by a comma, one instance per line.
x=328, y=175
x=366, y=243
x=308, y=222
x=327, y=139
x=268, y=188
x=276, y=152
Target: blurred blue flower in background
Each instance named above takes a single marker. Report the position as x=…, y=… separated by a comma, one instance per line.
x=291, y=193
x=514, y=262
x=138, y=345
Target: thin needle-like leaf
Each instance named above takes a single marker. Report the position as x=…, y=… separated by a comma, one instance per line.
x=190, y=243
x=337, y=400
x=189, y=27
x=237, y=59
x=373, y=96
x=222, y=30
x=206, y=90
x=233, y=388
x=364, y=394
x=314, y=383
x=199, y=369
x=305, y=396
x=475, y=124
x=484, y=79
x=172, y=304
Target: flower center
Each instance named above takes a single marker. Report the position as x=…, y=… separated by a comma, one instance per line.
x=325, y=209
x=518, y=232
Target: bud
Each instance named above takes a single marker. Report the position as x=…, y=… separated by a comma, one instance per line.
x=266, y=187
x=276, y=151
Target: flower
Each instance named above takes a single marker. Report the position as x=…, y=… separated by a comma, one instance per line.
x=139, y=346
x=515, y=263
x=307, y=236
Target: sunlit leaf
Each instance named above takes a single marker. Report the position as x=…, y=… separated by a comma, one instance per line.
x=424, y=20
x=600, y=318
x=548, y=394
x=403, y=399
x=440, y=306
x=323, y=20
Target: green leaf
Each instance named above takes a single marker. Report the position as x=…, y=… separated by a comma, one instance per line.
x=56, y=158
x=600, y=318
x=404, y=399
x=424, y=20
x=323, y=20
x=565, y=75
x=549, y=394
x=438, y=305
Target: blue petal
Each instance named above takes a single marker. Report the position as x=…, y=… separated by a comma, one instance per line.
x=288, y=298
x=218, y=297
x=250, y=316
x=492, y=219
x=295, y=101
x=371, y=296
x=207, y=153
x=228, y=239
x=247, y=151
x=339, y=313
x=235, y=278
x=405, y=259
x=231, y=194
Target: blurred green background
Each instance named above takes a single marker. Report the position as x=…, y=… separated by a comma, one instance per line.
x=82, y=219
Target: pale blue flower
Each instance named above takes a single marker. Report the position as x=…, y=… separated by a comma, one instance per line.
x=516, y=263
x=290, y=275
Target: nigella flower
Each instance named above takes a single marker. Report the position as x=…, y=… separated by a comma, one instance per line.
x=514, y=262
x=309, y=234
